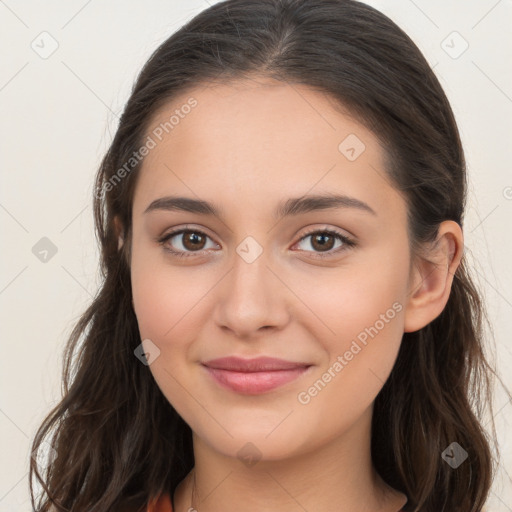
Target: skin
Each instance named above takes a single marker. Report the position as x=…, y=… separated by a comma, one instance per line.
x=245, y=147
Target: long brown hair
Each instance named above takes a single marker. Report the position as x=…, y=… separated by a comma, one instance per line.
x=117, y=441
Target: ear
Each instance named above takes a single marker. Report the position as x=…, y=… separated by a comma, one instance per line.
x=432, y=276
x=119, y=230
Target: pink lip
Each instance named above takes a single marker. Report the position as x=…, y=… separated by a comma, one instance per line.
x=254, y=376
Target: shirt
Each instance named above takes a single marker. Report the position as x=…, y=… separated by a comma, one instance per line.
x=162, y=504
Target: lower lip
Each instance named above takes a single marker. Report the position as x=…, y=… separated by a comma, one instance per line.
x=254, y=383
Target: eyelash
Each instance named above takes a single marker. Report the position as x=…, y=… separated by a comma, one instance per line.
x=347, y=242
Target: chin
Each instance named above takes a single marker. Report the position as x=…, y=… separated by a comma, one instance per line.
x=251, y=444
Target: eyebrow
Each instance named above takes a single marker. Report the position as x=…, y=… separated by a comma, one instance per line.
x=292, y=206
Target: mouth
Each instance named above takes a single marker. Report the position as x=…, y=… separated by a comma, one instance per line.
x=254, y=376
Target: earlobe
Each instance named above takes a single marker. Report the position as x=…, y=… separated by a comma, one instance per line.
x=432, y=277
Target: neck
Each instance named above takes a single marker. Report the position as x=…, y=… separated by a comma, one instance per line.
x=336, y=475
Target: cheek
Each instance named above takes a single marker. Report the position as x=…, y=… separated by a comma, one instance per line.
x=345, y=303
x=165, y=302
x=368, y=329
x=166, y=307
x=360, y=323
x=172, y=304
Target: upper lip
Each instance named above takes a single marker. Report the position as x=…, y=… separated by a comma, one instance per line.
x=258, y=364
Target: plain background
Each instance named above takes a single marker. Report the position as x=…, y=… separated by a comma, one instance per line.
x=59, y=114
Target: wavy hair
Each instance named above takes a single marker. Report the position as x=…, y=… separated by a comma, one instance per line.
x=117, y=441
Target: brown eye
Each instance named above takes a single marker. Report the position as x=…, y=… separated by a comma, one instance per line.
x=323, y=242
x=193, y=240
x=185, y=242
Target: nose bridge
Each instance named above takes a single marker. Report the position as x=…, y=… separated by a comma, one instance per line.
x=250, y=297
x=250, y=276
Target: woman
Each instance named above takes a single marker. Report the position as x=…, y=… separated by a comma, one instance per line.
x=286, y=320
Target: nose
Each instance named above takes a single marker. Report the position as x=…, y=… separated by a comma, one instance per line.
x=251, y=299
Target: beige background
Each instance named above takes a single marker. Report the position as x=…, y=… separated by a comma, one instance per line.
x=60, y=112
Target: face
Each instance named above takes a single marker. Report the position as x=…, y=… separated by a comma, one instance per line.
x=321, y=286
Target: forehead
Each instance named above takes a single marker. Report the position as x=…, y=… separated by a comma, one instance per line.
x=259, y=139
